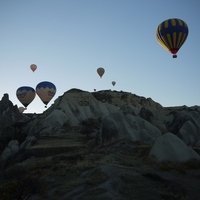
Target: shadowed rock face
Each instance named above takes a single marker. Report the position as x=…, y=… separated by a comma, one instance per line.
x=169, y=147
x=186, y=125
x=9, y=114
x=11, y=123
x=118, y=115
x=100, y=146
x=118, y=126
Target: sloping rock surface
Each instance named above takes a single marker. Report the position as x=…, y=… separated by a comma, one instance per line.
x=138, y=117
x=100, y=146
x=118, y=126
x=169, y=147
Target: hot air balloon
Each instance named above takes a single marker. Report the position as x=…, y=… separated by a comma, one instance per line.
x=113, y=83
x=33, y=67
x=171, y=34
x=46, y=91
x=100, y=71
x=25, y=95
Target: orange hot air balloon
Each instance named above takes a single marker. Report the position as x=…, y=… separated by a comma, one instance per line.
x=101, y=71
x=33, y=67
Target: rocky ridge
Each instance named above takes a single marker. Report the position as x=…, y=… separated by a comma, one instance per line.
x=107, y=145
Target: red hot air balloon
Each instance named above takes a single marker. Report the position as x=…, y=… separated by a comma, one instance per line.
x=100, y=71
x=33, y=67
x=113, y=83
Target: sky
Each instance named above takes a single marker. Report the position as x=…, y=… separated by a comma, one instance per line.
x=69, y=39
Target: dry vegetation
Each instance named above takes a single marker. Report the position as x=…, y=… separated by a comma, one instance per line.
x=69, y=165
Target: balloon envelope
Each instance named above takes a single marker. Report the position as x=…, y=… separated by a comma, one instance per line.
x=100, y=71
x=33, y=67
x=46, y=91
x=25, y=95
x=171, y=34
x=113, y=83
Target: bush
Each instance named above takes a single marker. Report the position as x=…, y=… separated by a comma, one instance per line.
x=91, y=122
x=20, y=183
x=193, y=164
x=87, y=131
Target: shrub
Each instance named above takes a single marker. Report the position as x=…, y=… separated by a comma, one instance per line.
x=20, y=183
x=87, y=131
x=91, y=122
x=193, y=164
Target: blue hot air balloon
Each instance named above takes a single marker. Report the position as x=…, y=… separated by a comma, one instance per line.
x=46, y=91
x=171, y=34
x=25, y=95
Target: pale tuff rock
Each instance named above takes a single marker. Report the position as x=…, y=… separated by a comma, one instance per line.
x=122, y=116
x=118, y=126
x=169, y=147
x=104, y=139
x=77, y=107
x=188, y=133
x=55, y=119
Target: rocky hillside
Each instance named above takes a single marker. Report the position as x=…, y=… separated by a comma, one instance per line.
x=100, y=145
x=119, y=115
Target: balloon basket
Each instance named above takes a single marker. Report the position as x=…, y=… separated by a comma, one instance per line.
x=174, y=56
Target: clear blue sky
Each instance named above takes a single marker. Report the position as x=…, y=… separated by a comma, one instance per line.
x=69, y=39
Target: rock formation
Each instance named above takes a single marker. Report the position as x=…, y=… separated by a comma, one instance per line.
x=103, y=145
x=121, y=115
x=11, y=122
x=169, y=147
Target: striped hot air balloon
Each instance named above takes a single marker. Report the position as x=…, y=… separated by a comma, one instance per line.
x=171, y=35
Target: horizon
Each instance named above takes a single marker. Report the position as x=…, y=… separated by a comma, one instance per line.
x=68, y=41
x=108, y=90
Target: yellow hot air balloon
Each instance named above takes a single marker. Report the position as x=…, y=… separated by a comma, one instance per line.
x=101, y=71
x=113, y=83
x=171, y=34
x=33, y=67
x=46, y=91
x=25, y=95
